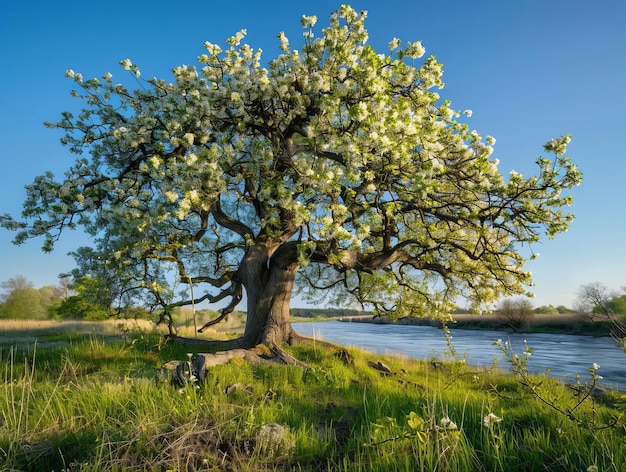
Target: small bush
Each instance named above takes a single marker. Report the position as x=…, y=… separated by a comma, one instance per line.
x=516, y=313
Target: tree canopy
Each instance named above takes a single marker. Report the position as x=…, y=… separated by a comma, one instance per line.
x=21, y=300
x=335, y=168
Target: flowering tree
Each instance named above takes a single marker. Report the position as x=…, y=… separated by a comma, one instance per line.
x=335, y=169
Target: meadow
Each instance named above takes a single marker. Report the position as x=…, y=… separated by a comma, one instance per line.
x=87, y=397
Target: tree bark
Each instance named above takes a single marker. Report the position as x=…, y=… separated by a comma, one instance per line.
x=268, y=273
x=268, y=277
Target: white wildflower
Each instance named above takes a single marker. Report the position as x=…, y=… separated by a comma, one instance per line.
x=490, y=420
x=447, y=423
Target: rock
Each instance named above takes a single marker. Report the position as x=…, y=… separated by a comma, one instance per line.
x=378, y=365
x=274, y=440
x=238, y=386
x=597, y=392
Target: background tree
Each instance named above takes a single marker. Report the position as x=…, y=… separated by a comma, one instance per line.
x=65, y=288
x=594, y=300
x=515, y=312
x=547, y=310
x=617, y=304
x=21, y=300
x=14, y=284
x=562, y=309
x=335, y=169
x=87, y=303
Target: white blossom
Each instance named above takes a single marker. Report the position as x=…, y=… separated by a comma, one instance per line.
x=394, y=43
x=415, y=50
x=490, y=420
x=308, y=21
x=447, y=423
x=155, y=161
x=284, y=42
x=171, y=195
x=212, y=49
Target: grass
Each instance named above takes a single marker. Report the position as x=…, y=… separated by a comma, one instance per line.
x=96, y=401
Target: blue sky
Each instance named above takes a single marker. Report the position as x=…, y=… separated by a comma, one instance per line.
x=530, y=71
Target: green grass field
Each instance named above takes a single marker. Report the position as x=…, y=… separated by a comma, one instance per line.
x=93, y=398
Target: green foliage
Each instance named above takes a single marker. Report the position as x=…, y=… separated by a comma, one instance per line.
x=338, y=160
x=617, y=305
x=87, y=304
x=23, y=304
x=547, y=310
x=80, y=307
x=21, y=300
x=563, y=309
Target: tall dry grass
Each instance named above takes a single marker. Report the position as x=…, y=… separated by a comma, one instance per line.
x=98, y=327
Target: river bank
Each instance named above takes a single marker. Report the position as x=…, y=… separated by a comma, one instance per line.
x=99, y=402
x=536, y=323
x=560, y=355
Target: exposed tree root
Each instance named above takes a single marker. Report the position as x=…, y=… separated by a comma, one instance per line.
x=261, y=354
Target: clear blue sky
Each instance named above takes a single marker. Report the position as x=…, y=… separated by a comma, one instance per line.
x=530, y=71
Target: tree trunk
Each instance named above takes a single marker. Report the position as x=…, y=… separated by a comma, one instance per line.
x=267, y=273
x=268, y=279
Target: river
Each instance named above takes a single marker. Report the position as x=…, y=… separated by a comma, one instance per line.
x=565, y=355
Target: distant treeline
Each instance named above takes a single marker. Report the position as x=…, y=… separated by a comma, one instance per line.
x=340, y=312
x=326, y=312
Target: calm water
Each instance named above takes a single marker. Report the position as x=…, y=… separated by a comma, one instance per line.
x=565, y=355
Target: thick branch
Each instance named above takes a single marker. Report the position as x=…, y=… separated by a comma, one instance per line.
x=227, y=222
x=354, y=260
x=237, y=293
